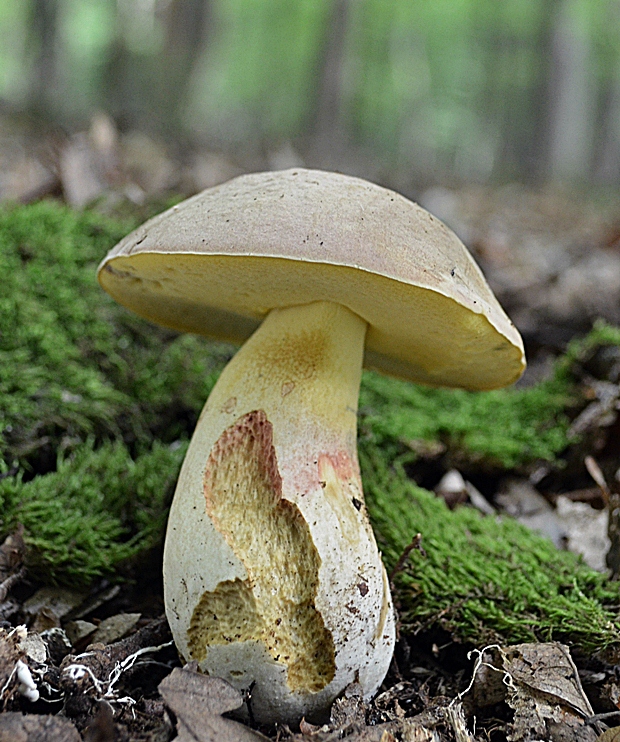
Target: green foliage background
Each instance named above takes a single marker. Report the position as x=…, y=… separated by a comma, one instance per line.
x=456, y=88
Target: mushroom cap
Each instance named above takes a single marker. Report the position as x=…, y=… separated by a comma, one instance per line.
x=217, y=263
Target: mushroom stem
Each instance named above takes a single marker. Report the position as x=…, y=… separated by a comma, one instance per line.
x=271, y=571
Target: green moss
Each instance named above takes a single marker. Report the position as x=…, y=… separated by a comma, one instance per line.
x=98, y=509
x=505, y=428
x=581, y=349
x=96, y=406
x=483, y=578
x=89, y=395
x=73, y=363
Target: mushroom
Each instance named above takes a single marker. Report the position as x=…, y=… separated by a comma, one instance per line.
x=272, y=576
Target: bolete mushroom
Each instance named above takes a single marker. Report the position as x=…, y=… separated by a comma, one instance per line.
x=272, y=576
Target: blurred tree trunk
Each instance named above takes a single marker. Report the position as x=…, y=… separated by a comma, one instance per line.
x=572, y=93
x=146, y=89
x=123, y=76
x=328, y=134
x=185, y=24
x=607, y=168
x=44, y=76
x=522, y=109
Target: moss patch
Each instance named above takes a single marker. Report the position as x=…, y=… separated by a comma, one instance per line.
x=484, y=578
x=98, y=509
x=96, y=406
x=505, y=428
x=73, y=364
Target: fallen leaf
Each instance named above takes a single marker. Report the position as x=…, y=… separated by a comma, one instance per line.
x=12, y=553
x=49, y=605
x=93, y=602
x=115, y=627
x=77, y=631
x=541, y=684
x=10, y=654
x=34, y=646
x=610, y=735
x=198, y=702
x=549, y=669
x=523, y=501
x=586, y=531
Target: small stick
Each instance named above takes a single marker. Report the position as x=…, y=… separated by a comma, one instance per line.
x=10, y=581
x=594, y=470
x=416, y=543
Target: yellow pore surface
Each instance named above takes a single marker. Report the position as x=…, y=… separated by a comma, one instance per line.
x=414, y=332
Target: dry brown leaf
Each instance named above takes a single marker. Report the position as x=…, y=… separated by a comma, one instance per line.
x=10, y=653
x=610, y=735
x=198, y=702
x=541, y=684
x=115, y=627
x=308, y=729
x=549, y=669
x=50, y=605
x=586, y=531
x=12, y=553
x=522, y=500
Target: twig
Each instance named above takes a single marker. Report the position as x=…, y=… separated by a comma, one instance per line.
x=594, y=470
x=601, y=717
x=416, y=543
x=10, y=581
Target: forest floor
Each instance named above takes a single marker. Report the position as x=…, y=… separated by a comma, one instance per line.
x=85, y=650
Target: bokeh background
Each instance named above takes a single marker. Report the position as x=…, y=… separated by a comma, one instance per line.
x=442, y=91
x=503, y=118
